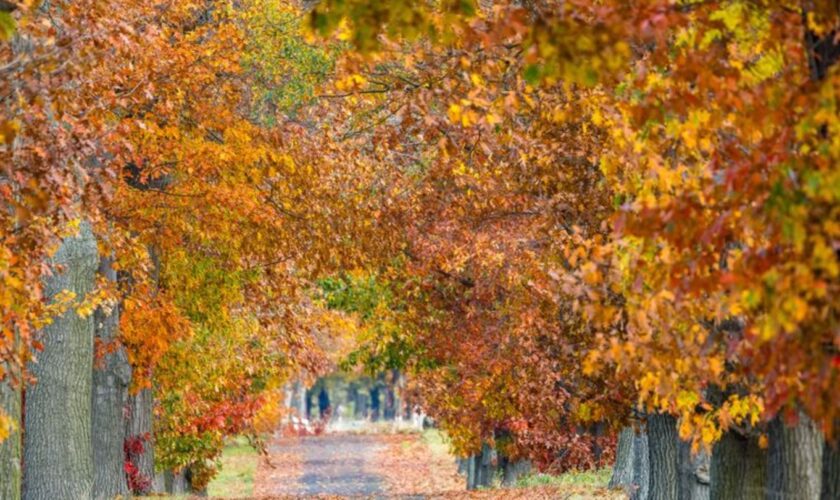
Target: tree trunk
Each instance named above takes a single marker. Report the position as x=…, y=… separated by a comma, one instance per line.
x=140, y=421
x=738, y=468
x=486, y=466
x=693, y=473
x=10, y=448
x=513, y=470
x=139, y=426
x=640, y=487
x=58, y=459
x=481, y=468
x=831, y=471
x=662, y=445
x=472, y=472
x=794, y=468
x=176, y=482
x=111, y=378
x=463, y=463
x=622, y=475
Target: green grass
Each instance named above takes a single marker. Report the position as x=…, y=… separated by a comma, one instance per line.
x=598, y=478
x=236, y=476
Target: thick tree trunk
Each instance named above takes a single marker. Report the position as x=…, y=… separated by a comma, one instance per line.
x=622, y=475
x=831, y=471
x=640, y=487
x=794, y=467
x=662, y=445
x=111, y=378
x=693, y=473
x=139, y=426
x=58, y=459
x=513, y=470
x=738, y=468
x=10, y=448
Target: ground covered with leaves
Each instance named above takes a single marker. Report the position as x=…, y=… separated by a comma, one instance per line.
x=382, y=465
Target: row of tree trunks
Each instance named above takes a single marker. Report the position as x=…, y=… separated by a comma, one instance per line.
x=72, y=423
x=799, y=464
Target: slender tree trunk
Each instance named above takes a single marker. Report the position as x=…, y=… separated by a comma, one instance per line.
x=662, y=445
x=10, y=448
x=794, y=468
x=487, y=466
x=831, y=471
x=472, y=472
x=463, y=463
x=58, y=459
x=111, y=378
x=738, y=468
x=622, y=475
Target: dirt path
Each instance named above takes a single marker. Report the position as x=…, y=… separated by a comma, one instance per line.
x=333, y=464
x=356, y=465
x=382, y=466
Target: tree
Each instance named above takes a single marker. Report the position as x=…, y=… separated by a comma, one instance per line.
x=59, y=404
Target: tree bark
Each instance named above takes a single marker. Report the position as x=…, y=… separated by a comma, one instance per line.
x=738, y=468
x=488, y=465
x=139, y=425
x=831, y=471
x=513, y=470
x=622, y=475
x=640, y=487
x=662, y=445
x=111, y=378
x=693, y=473
x=472, y=472
x=794, y=468
x=140, y=416
x=481, y=468
x=58, y=458
x=10, y=448
x=176, y=482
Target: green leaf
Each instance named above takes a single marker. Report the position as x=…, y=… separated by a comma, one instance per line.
x=7, y=26
x=532, y=74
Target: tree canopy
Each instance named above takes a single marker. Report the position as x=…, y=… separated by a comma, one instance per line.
x=557, y=217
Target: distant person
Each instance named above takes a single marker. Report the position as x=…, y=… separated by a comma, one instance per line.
x=324, y=403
